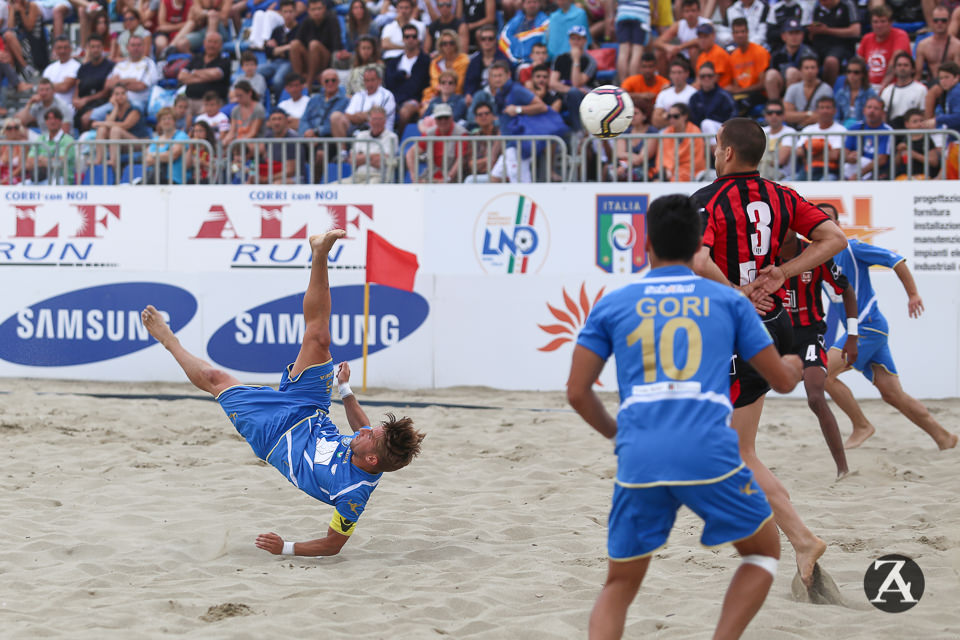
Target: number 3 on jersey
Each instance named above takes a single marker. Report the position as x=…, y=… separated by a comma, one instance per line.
x=758, y=213
x=663, y=350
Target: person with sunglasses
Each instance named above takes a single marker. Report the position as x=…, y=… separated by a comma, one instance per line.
x=711, y=105
x=391, y=38
x=683, y=159
x=407, y=76
x=448, y=57
x=447, y=20
x=476, y=79
x=13, y=158
x=478, y=14
x=941, y=47
x=775, y=162
x=132, y=26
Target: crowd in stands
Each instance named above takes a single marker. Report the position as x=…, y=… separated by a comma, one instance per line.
x=194, y=78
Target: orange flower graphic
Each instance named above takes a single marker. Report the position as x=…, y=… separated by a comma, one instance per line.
x=572, y=319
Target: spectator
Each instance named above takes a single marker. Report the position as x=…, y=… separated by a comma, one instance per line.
x=852, y=92
x=523, y=31
x=199, y=157
x=941, y=47
x=26, y=38
x=776, y=161
x=629, y=22
x=540, y=86
x=358, y=110
x=444, y=160
x=681, y=37
x=315, y=122
x=212, y=115
x=483, y=153
x=181, y=112
x=477, y=14
x=57, y=11
x=371, y=161
x=477, y=80
x=359, y=23
x=448, y=58
x=407, y=76
x=648, y=83
x=573, y=74
x=835, y=31
x=636, y=158
x=278, y=45
x=917, y=156
x=163, y=159
x=879, y=47
x=823, y=151
x=246, y=119
x=123, y=122
x=566, y=16
x=34, y=111
x=874, y=151
x=211, y=16
x=684, y=159
x=132, y=26
x=785, y=63
x=13, y=157
x=512, y=99
x=365, y=56
x=317, y=39
x=53, y=144
x=171, y=18
x=801, y=97
x=137, y=74
x=678, y=92
x=447, y=20
x=62, y=72
x=783, y=12
x=948, y=115
x=296, y=104
x=207, y=71
x=711, y=106
x=538, y=55
x=757, y=15
x=248, y=72
x=749, y=62
x=91, y=82
x=904, y=93
x=710, y=51
x=449, y=97
x=277, y=160
x=391, y=38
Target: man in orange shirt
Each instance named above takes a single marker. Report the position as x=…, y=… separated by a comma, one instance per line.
x=750, y=62
x=681, y=160
x=710, y=51
x=648, y=83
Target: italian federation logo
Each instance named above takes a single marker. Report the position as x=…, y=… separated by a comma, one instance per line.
x=621, y=233
x=511, y=235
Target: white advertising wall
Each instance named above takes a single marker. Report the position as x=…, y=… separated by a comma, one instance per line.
x=507, y=276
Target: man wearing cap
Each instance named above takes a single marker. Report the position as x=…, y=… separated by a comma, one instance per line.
x=783, y=11
x=566, y=16
x=785, y=63
x=438, y=161
x=710, y=51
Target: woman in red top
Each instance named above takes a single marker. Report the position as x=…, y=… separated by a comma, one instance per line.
x=170, y=19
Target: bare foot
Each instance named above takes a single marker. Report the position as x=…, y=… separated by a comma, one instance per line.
x=156, y=325
x=858, y=437
x=842, y=474
x=322, y=243
x=949, y=443
x=807, y=559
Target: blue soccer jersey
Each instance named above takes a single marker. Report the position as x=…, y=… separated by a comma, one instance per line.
x=673, y=335
x=855, y=262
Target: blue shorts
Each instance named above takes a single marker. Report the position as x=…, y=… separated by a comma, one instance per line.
x=641, y=519
x=263, y=414
x=872, y=348
x=631, y=32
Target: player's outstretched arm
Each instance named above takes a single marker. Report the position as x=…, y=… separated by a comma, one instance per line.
x=782, y=372
x=826, y=241
x=850, y=351
x=356, y=417
x=584, y=371
x=328, y=546
x=914, y=301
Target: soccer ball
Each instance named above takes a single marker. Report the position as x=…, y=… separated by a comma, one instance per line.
x=606, y=111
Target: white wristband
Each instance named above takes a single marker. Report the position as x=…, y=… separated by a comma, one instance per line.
x=288, y=549
x=853, y=327
x=345, y=390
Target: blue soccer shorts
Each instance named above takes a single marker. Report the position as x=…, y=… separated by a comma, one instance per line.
x=872, y=348
x=263, y=414
x=641, y=519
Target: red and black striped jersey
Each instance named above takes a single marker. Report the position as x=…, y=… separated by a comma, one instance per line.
x=746, y=220
x=802, y=295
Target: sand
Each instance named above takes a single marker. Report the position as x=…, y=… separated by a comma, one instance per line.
x=134, y=516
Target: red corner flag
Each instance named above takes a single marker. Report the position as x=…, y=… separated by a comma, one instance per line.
x=388, y=265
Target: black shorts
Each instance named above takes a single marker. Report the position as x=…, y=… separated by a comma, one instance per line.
x=631, y=32
x=746, y=385
x=808, y=344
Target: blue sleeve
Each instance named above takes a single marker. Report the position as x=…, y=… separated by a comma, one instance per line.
x=459, y=106
x=850, y=143
x=751, y=336
x=306, y=122
x=520, y=95
x=696, y=108
x=730, y=105
x=875, y=255
x=594, y=335
x=474, y=75
x=951, y=120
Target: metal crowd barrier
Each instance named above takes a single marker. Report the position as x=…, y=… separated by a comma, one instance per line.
x=111, y=162
x=546, y=156
x=597, y=158
x=800, y=165
x=26, y=162
x=315, y=160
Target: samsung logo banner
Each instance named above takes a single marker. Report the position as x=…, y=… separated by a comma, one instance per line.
x=91, y=325
x=267, y=338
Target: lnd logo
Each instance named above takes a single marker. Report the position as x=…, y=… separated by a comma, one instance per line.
x=893, y=583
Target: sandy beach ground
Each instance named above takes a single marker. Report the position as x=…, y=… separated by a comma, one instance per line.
x=133, y=516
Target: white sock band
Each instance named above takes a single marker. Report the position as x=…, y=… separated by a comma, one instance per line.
x=345, y=390
x=288, y=549
x=764, y=562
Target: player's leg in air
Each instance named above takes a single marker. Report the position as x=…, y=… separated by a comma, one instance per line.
x=841, y=394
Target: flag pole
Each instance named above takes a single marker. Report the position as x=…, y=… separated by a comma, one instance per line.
x=366, y=322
